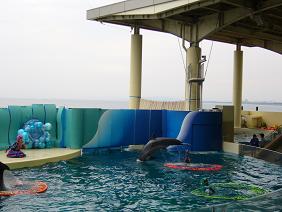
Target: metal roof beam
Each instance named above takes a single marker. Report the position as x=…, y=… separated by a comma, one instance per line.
x=194, y=22
x=275, y=16
x=167, y=25
x=273, y=46
x=212, y=9
x=256, y=5
x=267, y=27
x=269, y=5
x=240, y=3
x=270, y=45
x=212, y=23
x=246, y=33
x=215, y=22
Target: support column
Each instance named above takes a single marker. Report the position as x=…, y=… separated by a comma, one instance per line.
x=194, y=79
x=135, y=70
x=237, y=85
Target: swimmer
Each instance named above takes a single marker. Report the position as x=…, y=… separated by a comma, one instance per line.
x=187, y=159
x=208, y=189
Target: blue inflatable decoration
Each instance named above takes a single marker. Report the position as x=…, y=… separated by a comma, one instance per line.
x=47, y=126
x=20, y=131
x=25, y=137
x=35, y=134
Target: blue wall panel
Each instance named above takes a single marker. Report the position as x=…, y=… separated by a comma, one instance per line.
x=115, y=128
x=172, y=121
x=202, y=130
x=205, y=138
x=126, y=127
x=155, y=123
x=141, y=126
x=122, y=125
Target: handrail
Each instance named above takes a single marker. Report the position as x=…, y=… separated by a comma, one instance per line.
x=261, y=153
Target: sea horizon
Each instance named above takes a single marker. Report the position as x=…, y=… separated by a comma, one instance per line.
x=123, y=103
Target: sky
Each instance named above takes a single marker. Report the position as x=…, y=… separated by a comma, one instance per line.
x=48, y=50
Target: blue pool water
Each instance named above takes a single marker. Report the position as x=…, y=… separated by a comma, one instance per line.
x=114, y=181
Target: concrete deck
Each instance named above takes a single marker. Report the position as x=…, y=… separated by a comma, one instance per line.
x=38, y=157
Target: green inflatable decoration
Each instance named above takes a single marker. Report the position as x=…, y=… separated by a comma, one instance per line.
x=230, y=191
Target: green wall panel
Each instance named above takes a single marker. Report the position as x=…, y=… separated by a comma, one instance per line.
x=74, y=128
x=60, y=127
x=38, y=112
x=26, y=113
x=16, y=122
x=81, y=126
x=70, y=127
x=51, y=117
x=4, y=128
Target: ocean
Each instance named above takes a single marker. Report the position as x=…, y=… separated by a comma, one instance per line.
x=123, y=104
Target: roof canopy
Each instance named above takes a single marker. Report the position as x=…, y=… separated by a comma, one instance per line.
x=245, y=22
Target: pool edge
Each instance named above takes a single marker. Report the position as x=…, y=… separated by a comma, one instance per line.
x=49, y=156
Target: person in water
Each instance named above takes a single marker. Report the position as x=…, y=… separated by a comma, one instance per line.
x=207, y=188
x=14, y=151
x=187, y=159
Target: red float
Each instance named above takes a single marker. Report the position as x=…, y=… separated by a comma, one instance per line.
x=194, y=166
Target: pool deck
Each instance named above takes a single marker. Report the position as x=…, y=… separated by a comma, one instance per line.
x=38, y=157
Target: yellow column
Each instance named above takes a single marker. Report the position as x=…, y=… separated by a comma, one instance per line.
x=192, y=85
x=237, y=85
x=135, y=70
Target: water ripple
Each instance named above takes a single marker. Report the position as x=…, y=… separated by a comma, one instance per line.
x=114, y=181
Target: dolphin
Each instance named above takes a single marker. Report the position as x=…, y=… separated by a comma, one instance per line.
x=156, y=144
x=3, y=167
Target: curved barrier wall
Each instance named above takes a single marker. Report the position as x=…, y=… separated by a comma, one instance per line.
x=124, y=127
x=202, y=130
x=61, y=126
x=129, y=127
x=80, y=126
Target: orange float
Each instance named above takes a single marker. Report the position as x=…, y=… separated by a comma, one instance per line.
x=36, y=187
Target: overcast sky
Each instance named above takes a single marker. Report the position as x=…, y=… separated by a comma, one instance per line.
x=49, y=50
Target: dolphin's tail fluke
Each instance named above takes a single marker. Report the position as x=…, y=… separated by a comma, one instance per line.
x=3, y=167
x=156, y=144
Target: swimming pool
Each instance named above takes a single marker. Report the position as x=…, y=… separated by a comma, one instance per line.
x=114, y=181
